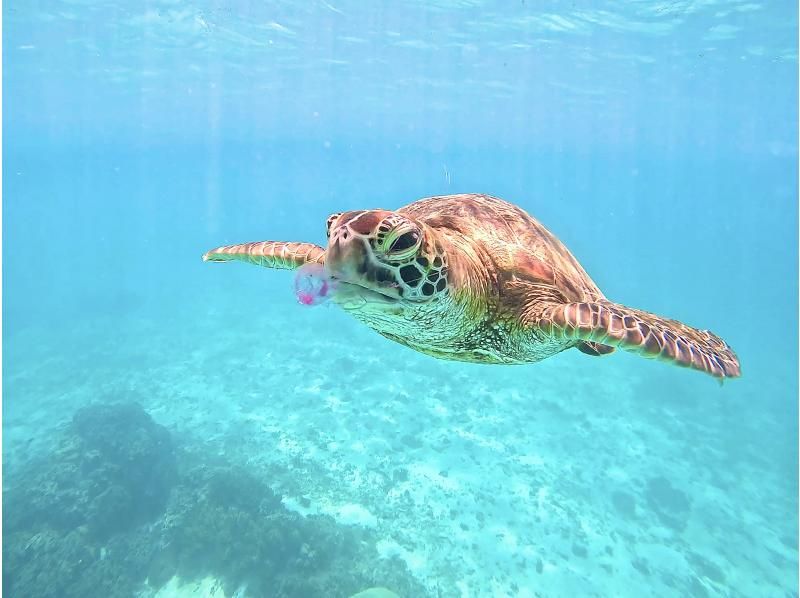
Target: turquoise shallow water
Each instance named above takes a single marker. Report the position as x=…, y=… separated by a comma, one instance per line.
x=279, y=450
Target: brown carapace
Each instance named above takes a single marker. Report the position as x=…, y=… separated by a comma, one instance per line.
x=475, y=278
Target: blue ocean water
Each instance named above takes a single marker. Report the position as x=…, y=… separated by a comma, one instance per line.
x=172, y=427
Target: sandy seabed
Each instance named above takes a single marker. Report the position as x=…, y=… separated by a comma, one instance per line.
x=576, y=476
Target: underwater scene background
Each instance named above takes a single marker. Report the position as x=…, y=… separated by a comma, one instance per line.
x=178, y=428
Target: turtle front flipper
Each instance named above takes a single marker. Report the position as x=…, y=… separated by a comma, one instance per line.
x=640, y=332
x=270, y=254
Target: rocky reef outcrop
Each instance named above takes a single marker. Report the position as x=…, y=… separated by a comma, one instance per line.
x=118, y=510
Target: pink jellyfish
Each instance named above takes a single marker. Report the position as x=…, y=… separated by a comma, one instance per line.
x=313, y=285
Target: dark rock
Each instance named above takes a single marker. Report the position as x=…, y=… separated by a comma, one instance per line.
x=661, y=494
x=579, y=550
x=670, y=504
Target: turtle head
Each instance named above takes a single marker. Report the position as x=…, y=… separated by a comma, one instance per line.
x=384, y=259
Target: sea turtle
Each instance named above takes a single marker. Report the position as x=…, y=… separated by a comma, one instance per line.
x=475, y=278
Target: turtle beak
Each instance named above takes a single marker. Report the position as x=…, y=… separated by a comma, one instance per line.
x=345, y=260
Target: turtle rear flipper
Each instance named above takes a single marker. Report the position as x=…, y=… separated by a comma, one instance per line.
x=269, y=254
x=594, y=349
x=640, y=332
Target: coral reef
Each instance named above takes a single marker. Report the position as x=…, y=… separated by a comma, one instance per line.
x=65, y=521
x=49, y=564
x=118, y=510
x=113, y=470
x=225, y=521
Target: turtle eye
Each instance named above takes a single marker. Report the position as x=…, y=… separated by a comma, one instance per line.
x=404, y=244
x=331, y=219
